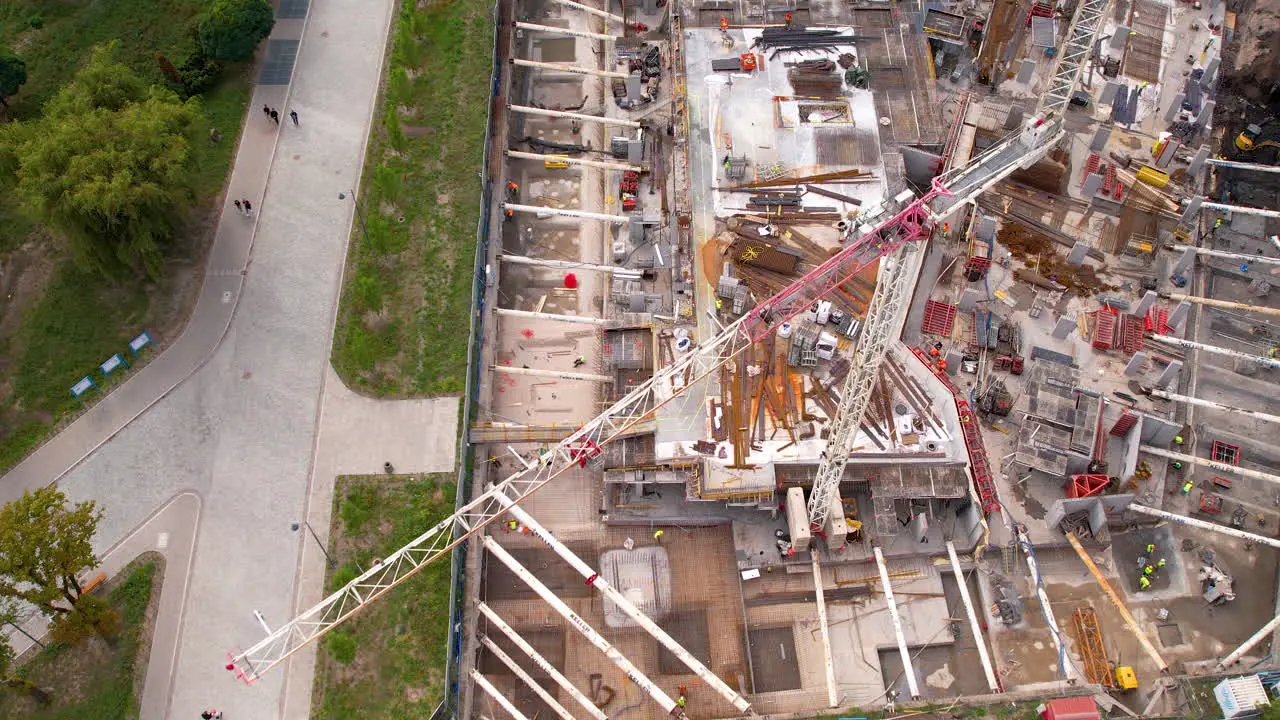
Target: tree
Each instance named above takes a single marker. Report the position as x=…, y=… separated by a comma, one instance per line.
x=13, y=74
x=110, y=166
x=8, y=674
x=44, y=543
x=229, y=30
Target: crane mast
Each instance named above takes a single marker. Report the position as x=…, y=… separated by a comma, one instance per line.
x=912, y=222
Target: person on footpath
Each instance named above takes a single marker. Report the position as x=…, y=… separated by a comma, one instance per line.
x=266, y=111
x=275, y=116
x=239, y=207
x=248, y=208
x=211, y=715
x=293, y=115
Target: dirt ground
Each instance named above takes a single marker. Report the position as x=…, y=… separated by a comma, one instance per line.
x=1040, y=254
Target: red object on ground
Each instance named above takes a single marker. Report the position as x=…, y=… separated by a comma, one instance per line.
x=570, y=281
x=1081, y=708
x=1085, y=485
x=939, y=318
x=1225, y=453
x=527, y=333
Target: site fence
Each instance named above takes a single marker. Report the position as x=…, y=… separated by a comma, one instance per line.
x=471, y=396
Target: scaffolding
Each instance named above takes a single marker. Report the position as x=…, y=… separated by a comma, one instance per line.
x=1093, y=652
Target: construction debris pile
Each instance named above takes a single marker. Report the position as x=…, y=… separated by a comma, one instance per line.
x=788, y=39
x=815, y=78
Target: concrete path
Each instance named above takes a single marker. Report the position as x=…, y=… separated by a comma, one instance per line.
x=232, y=409
x=219, y=297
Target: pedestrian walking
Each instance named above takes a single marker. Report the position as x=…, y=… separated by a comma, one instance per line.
x=239, y=207
x=266, y=111
x=293, y=115
x=248, y=207
x=275, y=115
x=211, y=715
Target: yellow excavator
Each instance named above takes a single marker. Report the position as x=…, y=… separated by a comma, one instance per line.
x=1250, y=140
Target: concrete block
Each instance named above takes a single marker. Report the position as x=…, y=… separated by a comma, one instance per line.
x=1092, y=183
x=986, y=230
x=635, y=150
x=1109, y=91
x=1065, y=326
x=1174, y=107
x=1079, y=252
x=1135, y=364
x=1144, y=305
x=1013, y=120
x=1169, y=378
x=634, y=86
x=1166, y=156
x=1185, y=262
x=1178, y=317
x=969, y=299
x=1118, y=39
x=954, y=358
x=1210, y=73
x=1026, y=69
x=1100, y=138
x=1192, y=210
x=1206, y=114
x=1198, y=160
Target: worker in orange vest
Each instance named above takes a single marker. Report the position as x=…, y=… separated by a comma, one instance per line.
x=512, y=188
x=934, y=352
x=724, y=24
x=942, y=364
x=787, y=19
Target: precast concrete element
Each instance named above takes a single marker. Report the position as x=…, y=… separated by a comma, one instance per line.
x=824, y=628
x=542, y=662
x=1192, y=345
x=526, y=110
x=519, y=672
x=558, y=374
x=1212, y=464
x=562, y=67
x=572, y=161
x=1203, y=525
x=501, y=699
x=564, y=31
x=557, y=212
x=907, y=668
x=978, y=637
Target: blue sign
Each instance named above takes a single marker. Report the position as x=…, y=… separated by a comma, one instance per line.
x=82, y=387
x=139, y=342
x=112, y=363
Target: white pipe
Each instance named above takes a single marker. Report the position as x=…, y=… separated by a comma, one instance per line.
x=553, y=316
x=1240, y=209
x=631, y=671
x=1275, y=239
x=1064, y=660
x=1204, y=525
x=1265, y=417
x=561, y=67
x=1264, y=632
x=978, y=636
x=533, y=684
x=897, y=626
x=1243, y=166
x=561, y=374
x=833, y=699
x=526, y=110
x=1242, y=257
x=483, y=682
x=564, y=31
x=572, y=161
x=1269, y=362
x=625, y=605
x=542, y=663
x=567, y=265
x=1223, y=303
x=616, y=219
x=1220, y=467
x=594, y=11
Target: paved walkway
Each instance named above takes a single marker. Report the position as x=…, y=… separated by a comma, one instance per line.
x=231, y=413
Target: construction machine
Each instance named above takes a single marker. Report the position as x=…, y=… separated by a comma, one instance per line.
x=1251, y=140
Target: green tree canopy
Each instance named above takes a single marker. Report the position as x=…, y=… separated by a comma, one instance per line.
x=229, y=30
x=109, y=165
x=13, y=74
x=43, y=544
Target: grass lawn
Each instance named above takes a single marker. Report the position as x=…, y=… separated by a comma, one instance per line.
x=404, y=317
x=56, y=323
x=95, y=680
x=387, y=662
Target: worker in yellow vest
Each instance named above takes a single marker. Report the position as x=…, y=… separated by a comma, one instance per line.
x=1143, y=583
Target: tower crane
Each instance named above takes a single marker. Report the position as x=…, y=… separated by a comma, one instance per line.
x=909, y=220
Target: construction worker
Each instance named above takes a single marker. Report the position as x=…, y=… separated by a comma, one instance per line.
x=942, y=364
x=934, y=352
x=719, y=304
x=1177, y=465
x=579, y=361
x=681, y=702
x=657, y=536
x=1143, y=582
x=1161, y=563
x=512, y=188
x=787, y=19
x=1148, y=570
x=1186, y=487
x=724, y=24
x=682, y=692
x=510, y=213
x=1151, y=547
x=512, y=525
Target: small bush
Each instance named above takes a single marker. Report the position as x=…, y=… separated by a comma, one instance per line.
x=198, y=73
x=342, y=646
x=36, y=21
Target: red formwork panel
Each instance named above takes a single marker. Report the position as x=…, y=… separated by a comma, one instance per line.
x=1225, y=453
x=939, y=318
x=1080, y=486
x=1104, y=328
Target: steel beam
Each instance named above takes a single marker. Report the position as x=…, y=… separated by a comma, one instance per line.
x=1243, y=166
x=978, y=637
x=1264, y=361
x=1241, y=257
x=488, y=687
x=564, y=31
x=558, y=212
x=1263, y=633
x=1265, y=417
x=626, y=666
x=526, y=110
x=1204, y=525
x=824, y=628
x=542, y=663
x=560, y=374
x=626, y=606
x=594, y=11
x=1223, y=303
x=907, y=668
x=525, y=314
x=519, y=672
x=1243, y=210
x=567, y=265
x=540, y=157
x=1213, y=464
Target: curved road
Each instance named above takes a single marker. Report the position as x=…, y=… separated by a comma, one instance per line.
x=230, y=414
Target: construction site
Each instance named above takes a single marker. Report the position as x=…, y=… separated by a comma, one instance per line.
x=865, y=354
